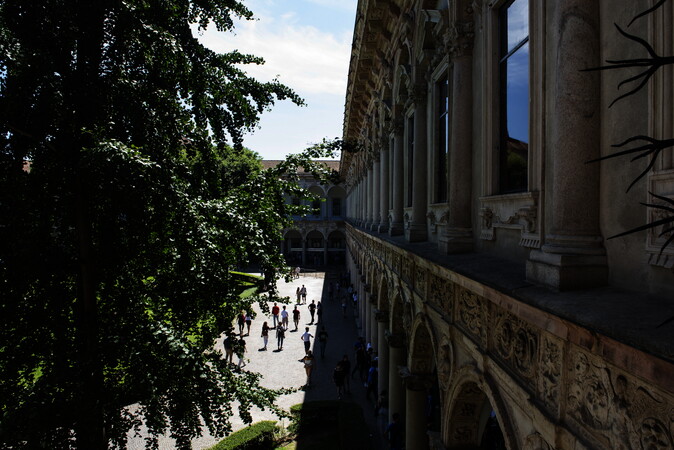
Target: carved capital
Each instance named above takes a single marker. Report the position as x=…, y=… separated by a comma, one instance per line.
x=461, y=36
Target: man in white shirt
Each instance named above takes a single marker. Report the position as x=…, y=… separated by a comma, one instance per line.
x=306, y=337
x=284, y=317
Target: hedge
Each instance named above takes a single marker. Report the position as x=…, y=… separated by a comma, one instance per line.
x=258, y=436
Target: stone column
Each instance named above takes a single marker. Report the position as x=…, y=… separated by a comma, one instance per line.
x=572, y=256
x=376, y=195
x=457, y=237
x=418, y=230
x=396, y=389
x=374, y=326
x=370, y=199
x=383, y=191
x=361, y=201
x=396, y=226
x=382, y=350
x=416, y=436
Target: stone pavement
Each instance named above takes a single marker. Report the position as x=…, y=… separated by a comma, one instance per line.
x=282, y=368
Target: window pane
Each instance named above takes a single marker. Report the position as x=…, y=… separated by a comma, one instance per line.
x=442, y=125
x=410, y=158
x=515, y=142
x=518, y=23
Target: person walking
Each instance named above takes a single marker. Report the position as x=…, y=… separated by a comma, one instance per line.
x=338, y=376
x=371, y=381
x=298, y=294
x=274, y=314
x=241, y=322
x=296, y=317
x=241, y=351
x=322, y=340
x=280, y=336
x=303, y=293
x=229, y=348
x=394, y=433
x=306, y=338
x=248, y=319
x=308, y=361
x=312, y=311
x=265, y=335
x=319, y=312
x=284, y=317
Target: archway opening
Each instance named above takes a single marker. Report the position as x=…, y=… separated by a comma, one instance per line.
x=473, y=422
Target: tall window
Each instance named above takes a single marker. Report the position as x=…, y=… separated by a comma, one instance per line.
x=442, y=142
x=410, y=158
x=514, y=92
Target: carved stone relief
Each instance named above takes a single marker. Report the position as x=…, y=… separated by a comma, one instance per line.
x=515, y=343
x=536, y=442
x=407, y=267
x=513, y=211
x=441, y=293
x=471, y=315
x=444, y=363
x=614, y=410
x=549, y=373
x=420, y=281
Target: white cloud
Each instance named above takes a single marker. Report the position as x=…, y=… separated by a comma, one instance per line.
x=305, y=58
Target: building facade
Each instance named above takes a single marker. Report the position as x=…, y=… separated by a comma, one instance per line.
x=317, y=240
x=478, y=224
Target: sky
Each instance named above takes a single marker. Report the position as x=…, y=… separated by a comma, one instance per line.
x=307, y=45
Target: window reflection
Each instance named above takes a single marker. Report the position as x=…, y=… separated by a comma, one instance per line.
x=514, y=85
x=442, y=124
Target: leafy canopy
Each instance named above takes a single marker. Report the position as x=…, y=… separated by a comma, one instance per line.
x=116, y=247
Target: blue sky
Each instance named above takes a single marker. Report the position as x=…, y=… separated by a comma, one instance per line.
x=307, y=44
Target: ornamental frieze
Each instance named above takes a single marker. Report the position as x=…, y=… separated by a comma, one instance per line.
x=396, y=263
x=471, y=315
x=614, y=410
x=420, y=276
x=549, y=374
x=515, y=343
x=441, y=293
x=406, y=270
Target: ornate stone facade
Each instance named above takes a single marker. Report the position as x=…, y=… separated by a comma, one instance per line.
x=477, y=207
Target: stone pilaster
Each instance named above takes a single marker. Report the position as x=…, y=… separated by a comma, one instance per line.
x=457, y=236
x=384, y=191
x=418, y=230
x=376, y=194
x=396, y=227
x=572, y=256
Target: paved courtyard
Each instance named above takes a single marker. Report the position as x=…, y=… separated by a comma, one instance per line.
x=282, y=368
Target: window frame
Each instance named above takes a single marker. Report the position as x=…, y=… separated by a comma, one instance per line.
x=493, y=203
x=442, y=72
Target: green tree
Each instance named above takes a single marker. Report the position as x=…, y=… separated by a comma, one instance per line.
x=116, y=248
